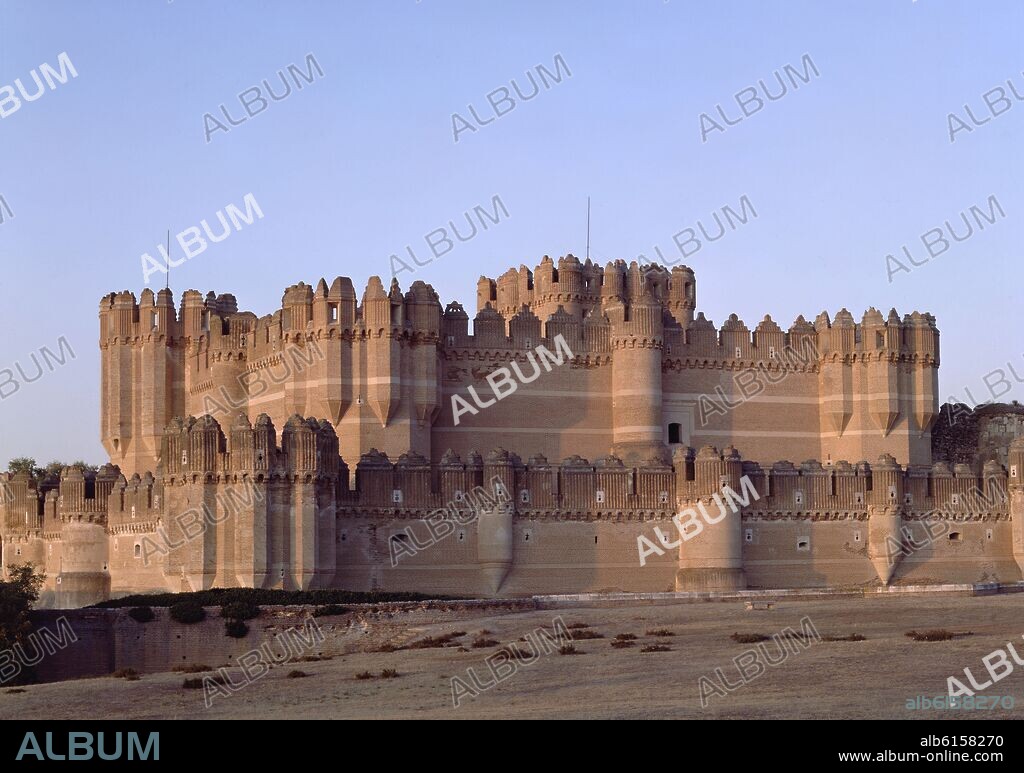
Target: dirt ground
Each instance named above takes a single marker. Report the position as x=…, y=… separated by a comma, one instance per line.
x=829, y=680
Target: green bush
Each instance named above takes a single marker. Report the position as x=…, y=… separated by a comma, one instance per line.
x=143, y=614
x=187, y=612
x=236, y=629
x=240, y=610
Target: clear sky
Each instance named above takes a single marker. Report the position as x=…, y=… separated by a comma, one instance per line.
x=361, y=163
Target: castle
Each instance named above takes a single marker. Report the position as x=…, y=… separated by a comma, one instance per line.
x=231, y=438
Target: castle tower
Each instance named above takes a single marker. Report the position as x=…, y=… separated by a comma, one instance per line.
x=712, y=560
x=682, y=296
x=882, y=343
x=637, y=343
x=921, y=336
x=495, y=521
x=192, y=456
x=383, y=371
x=835, y=378
x=1016, y=492
x=885, y=517
x=423, y=314
x=141, y=376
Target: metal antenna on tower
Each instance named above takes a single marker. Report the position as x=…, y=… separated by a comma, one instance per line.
x=167, y=257
x=588, y=228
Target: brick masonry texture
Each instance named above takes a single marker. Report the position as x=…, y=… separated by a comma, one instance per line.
x=305, y=448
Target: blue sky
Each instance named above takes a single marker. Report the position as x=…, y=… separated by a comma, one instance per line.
x=359, y=164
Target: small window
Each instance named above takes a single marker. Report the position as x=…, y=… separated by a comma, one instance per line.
x=803, y=543
x=856, y=536
x=206, y=322
x=1013, y=471
x=663, y=497
x=908, y=499
x=462, y=536
x=133, y=512
x=600, y=496
x=748, y=535
x=771, y=352
x=798, y=497
x=529, y=342
x=595, y=539
x=17, y=551
x=344, y=536
x=524, y=496
x=955, y=536
x=858, y=497
x=138, y=550
x=988, y=534
x=955, y=499
x=675, y=433
x=449, y=341
x=739, y=352
x=50, y=549
x=459, y=496
x=396, y=496
x=892, y=493
x=332, y=313
x=154, y=318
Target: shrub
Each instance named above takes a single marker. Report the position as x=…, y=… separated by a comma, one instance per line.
x=568, y=649
x=236, y=629
x=655, y=648
x=14, y=691
x=313, y=658
x=581, y=634
x=660, y=632
x=749, y=638
x=142, y=614
x=364, y=675
x=387, y=647
x=850, y=637
x=240, y=610
x=191, y=668
x=625, y=636
x=433, y=642
x=126, y=673
x=934, y=634
x=187, y=612
x=481, y=641
x=622, y=643
x=17, y=596
x=389, y=673
x=296, y=674
x=576, y=626
x=328, y=610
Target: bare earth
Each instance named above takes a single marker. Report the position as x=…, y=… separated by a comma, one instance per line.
x=828, y=680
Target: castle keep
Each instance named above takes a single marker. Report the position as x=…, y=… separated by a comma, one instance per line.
x=301, y=448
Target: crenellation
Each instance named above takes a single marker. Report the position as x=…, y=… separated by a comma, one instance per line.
x=201, y=491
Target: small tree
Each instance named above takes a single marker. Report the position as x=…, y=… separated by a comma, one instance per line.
x=24, y=464
x=17, y=595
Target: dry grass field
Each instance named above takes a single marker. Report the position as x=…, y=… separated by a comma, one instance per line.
x=872, y=678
